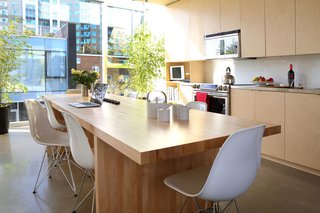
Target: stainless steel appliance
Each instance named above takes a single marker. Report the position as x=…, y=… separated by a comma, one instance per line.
x=218, y=97
x=228, y=78
x=222, y=45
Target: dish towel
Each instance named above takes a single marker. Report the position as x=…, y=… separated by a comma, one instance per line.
x=201, y=96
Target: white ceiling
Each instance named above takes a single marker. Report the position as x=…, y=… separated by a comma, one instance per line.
x=162, y=2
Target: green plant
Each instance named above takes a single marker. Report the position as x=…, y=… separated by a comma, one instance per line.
x=12, y=46
x=85, y=77
x=146, y=58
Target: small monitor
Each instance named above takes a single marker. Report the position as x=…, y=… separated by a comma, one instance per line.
x=177, y=73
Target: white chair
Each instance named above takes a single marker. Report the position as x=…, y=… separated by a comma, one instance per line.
x=51, y=117
x=44, y=134
x=202, y=106
x=232, y=173
x=133, y=95
x=82, y=154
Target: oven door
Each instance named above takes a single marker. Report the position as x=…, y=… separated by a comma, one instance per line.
x=218, y=103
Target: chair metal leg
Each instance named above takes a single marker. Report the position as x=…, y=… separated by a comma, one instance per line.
x=184, y=204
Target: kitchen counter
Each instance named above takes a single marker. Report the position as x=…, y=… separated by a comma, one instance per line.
x=315, y=91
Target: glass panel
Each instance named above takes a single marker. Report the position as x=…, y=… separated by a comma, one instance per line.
x=36, y=43
x=32, y=71
x=56, y=84
x=56, y=44
x=56, y=64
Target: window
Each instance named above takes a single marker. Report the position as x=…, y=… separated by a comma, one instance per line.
x=94, y=33
x=94, y=41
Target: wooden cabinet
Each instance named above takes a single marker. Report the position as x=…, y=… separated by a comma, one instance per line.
x=307, y=26
x=194, y=73
x=280, y=27
x=177, y=32
x=302, y=129
x=230, y=15
x=269, y=108
x=196, y=40
x=252, y=28
x=211, y=16
x=242, y=103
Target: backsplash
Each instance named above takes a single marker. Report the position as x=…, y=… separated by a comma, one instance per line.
x=306, y=68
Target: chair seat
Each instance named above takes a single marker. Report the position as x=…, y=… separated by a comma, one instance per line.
x=58, y=139
x=190, y=182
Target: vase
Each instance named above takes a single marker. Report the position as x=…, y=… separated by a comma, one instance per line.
x=84, y=90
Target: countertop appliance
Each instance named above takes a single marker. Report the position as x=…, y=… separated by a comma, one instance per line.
x=222, y=45
x=228, y=78
x=218, y=96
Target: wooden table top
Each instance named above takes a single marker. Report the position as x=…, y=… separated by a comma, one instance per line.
x=126, y=128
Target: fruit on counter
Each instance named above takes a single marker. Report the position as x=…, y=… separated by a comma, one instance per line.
x=270, y=79
x=262, y=79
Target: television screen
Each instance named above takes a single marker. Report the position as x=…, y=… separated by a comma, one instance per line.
x=176, y=73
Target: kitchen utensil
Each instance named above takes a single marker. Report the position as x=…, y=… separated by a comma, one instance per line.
x=228, y=78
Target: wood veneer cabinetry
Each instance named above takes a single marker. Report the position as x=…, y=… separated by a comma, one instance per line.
x=211, y=16
x=196, y=41
x=262, y=106
x=302, y=129
x=253, y=42
x=307, y=26
x=280, y=27
x=177, y=32
x=230, y=15
x=269, y=108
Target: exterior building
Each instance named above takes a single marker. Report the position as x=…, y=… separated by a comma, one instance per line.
x=47, y=17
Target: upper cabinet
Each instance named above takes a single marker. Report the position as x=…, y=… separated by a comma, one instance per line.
x=196, y=41
x=211, y=16
x=280, y=27
x=307, y=26
x=177, y=32
x=252, y=28
x=230, y=15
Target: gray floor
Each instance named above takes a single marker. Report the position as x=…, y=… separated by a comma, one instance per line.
x=277, y=188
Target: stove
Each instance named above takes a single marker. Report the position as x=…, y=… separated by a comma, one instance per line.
x=218, y=96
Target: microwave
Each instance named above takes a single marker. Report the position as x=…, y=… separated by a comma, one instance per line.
x=222, y=45
x=177, y=73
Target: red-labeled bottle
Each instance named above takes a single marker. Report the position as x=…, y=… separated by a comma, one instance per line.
x=291, y=77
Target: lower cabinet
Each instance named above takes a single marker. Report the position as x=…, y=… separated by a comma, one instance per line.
x=269, y=108
x=302, y=129
x=299, y=117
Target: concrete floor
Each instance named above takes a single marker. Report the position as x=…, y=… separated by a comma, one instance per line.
x=277, y=188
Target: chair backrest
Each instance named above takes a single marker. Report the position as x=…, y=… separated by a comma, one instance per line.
x=79, y=145
x=202, y=106
x=235, y=166
x=132, y=95
x=40, y=127
x=51, y=117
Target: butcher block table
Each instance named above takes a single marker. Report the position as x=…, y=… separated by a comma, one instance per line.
x=133, y=154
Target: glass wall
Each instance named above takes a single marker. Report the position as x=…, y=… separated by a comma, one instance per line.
x=44, y=70
x=119, y=32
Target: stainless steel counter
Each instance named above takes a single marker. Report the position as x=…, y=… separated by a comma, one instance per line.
x=315, y=91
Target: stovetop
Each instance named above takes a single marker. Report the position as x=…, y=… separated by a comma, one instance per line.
x=207, y=87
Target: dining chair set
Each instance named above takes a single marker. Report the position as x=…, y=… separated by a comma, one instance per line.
x=229, y=177
x=61, y=146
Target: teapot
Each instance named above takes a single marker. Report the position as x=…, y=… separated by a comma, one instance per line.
x=228, y=78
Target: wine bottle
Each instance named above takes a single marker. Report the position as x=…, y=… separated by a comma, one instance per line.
x=291, y=77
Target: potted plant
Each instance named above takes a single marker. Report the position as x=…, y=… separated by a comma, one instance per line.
x=86, y=78
x=12, y=45
x=146, y=58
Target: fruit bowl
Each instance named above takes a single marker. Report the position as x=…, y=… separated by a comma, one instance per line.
x=260, y=83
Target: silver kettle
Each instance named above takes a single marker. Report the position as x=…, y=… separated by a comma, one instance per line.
x=228, y=78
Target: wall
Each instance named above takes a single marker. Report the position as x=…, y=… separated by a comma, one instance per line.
x=306, y=68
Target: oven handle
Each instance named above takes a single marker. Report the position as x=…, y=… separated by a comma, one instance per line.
x=218, y=96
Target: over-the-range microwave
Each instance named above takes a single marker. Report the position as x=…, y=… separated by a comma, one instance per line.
x=223, y=45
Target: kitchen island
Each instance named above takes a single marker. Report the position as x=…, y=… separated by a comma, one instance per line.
x=133, y=154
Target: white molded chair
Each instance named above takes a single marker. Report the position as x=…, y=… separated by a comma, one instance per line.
x=232, y=173
x=44, y=134
x=197, y=105
x=51, y=117
x=81, y=152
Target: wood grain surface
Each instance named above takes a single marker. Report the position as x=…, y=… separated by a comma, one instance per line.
x=133, y=154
